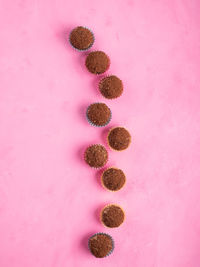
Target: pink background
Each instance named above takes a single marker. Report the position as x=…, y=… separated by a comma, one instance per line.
x=49, y=198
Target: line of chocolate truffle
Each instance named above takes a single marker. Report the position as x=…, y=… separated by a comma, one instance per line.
x=96, y=156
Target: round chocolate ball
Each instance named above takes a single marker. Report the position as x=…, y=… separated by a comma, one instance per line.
x=113, y=179
x=99, y=114
x=111, y=87
x=97, y=62
x=112, y=216
x=81, y=38
x=101, y=245
x=119, y=138
x=96, y=156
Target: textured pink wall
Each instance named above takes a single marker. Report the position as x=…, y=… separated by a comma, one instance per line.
x=49, y=199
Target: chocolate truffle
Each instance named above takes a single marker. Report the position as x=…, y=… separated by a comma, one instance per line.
x=111, y=87
x=113, y=179
x=112, y=216
x=96, y=156
x=119, y=138
x=101, y=245
x=81, y=38
x=98, y=114
x=97, y=62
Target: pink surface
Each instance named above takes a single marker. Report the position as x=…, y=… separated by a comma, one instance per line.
x=50, y=199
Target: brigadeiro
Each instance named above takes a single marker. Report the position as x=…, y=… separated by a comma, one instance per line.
x=98, y=114
x=97, y=62
x=113, y=179
x=101, y=245
x=81, y=38
x=119, y=138
x=96, y=156
x=111, y=87
x=112, y=216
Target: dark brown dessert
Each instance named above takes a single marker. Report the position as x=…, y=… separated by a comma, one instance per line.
x=111, y=87
x=97, y=62
x=101, y=245
x=119, y=138
x=112, y=216
x=81, y=38
x=113, y=179
x=99, y=114
x=96, y=156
